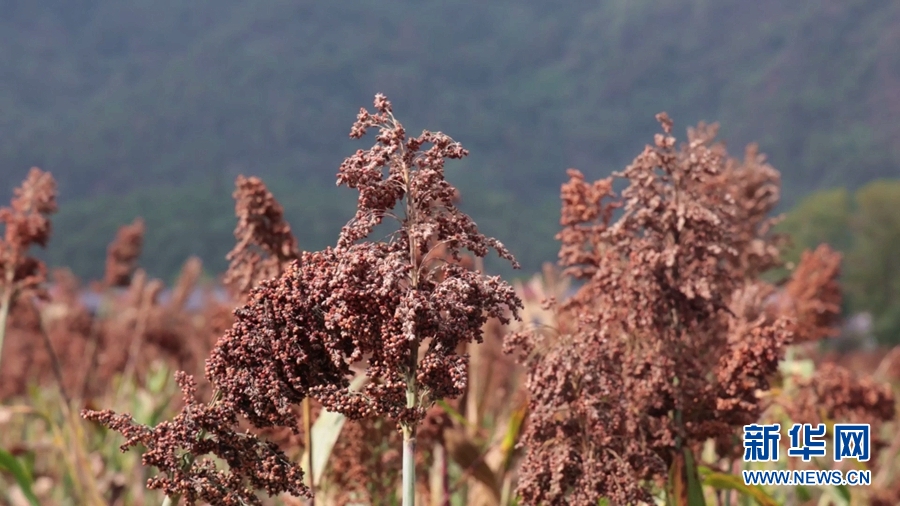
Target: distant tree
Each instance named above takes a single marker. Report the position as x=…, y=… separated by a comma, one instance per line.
x=821, y=217
x=873, y=263
x=866, y=228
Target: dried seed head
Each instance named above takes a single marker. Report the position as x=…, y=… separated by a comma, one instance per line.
x=369, y=301
x=122, y=254
x=265, y=243
x=27, y=223
x=198, y=431
x=660, y=325
x=314, y=315
x=813, y=296
x=836, y=394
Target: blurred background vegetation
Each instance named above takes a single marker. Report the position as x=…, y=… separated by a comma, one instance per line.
x=151, y=108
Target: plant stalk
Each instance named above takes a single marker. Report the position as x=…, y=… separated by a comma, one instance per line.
x=56, y=366
x=412, y=394
x=4, y=310
x=93, y=350
x=409, y=465
x=409, y=431
x=75, y=436
x=307, y=439
x=171, y=500
x=130, y=373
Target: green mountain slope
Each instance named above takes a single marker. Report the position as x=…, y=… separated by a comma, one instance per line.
x=124, y=96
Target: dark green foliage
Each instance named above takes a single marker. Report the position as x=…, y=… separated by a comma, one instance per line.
x=199, y=220
x=866, y=228
x=873, y=264
x=184, y=221
x=120, y=96
x=821, y=217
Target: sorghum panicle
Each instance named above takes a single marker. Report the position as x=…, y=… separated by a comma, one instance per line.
x=360, y=302
x=653, y=357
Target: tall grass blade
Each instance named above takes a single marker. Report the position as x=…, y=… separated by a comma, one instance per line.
x=11, y=464
x=725, y=481
x=325, y=432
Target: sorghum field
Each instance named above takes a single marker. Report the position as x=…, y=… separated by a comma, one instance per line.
x=390, y=369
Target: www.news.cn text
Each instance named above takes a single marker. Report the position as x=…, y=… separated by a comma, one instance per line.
x=807, y=477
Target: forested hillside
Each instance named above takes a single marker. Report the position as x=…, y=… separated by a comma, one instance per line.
x=152, y=108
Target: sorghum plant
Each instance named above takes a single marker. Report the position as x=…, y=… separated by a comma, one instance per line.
x=835, y=393
x=265, y=247
x=123, y=253
x=27, y=224
x=813, y=295
x=94, y=345
x=651, y=359
x=382, y=303
x=265, y=244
